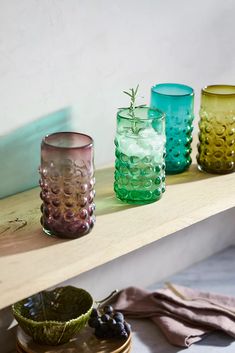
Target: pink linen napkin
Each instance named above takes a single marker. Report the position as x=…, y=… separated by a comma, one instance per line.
x=184, y=315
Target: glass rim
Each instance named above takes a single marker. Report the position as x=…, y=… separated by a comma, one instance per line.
x=205, y=91
x=189, y=94
x=161, y=116
x=51, y=145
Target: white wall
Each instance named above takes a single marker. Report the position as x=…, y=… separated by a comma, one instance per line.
x=83, y=53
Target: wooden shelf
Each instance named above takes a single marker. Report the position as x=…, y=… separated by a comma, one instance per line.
x=30, y=261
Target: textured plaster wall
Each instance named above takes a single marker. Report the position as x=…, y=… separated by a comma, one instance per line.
x=83, y=53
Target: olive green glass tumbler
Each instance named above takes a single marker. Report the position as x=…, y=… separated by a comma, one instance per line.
x=140, y=155
x=216, y=147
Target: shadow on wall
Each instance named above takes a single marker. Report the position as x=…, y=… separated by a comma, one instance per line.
x=20, y=151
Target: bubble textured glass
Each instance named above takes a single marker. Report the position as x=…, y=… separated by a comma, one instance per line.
x=216, y=148
x=140, y=150
x=67, y=183
x=177, y=101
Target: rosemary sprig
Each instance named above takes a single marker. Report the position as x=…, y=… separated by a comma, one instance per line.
x=133, y=94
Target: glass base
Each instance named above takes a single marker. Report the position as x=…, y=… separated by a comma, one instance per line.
x=137, y=202
x=173, y=172
x=48, y=232
x=214, y=171
x=64, y=236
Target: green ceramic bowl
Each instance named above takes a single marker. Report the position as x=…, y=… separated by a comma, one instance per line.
x=54, y=317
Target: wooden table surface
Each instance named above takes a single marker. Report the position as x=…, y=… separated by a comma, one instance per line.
x=30, y=261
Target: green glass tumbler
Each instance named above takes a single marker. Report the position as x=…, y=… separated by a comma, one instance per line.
x=140, y=155
x=216, y=147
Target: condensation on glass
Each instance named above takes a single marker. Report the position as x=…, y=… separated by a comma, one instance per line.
x=140, y=155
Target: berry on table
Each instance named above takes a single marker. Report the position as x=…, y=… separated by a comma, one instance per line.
x=108, y=323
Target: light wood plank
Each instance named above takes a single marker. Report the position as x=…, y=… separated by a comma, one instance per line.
x=31, y=261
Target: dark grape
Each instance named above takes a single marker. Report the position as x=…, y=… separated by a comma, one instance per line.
x=119, y=327
x=105, y=317
x=90, y=322
x=94, y=322
x=94, y=313
x=103, y=331
x=99, y=333
x=123, y=334
x=104, y=327
x=112, y=322
x=127, y=327
x=109, y=334
x=118, y=317
x=108, y=309
x=108, y=323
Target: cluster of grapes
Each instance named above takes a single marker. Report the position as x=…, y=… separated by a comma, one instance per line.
x=108, y=323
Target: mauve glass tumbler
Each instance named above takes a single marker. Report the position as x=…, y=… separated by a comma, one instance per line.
x=67, y=183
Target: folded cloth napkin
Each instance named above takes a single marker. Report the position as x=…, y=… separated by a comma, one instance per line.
x=184, y=315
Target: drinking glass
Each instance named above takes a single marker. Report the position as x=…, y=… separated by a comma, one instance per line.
x=177, y=101
x=216, y=147
x=140, y=150
x=67, y=184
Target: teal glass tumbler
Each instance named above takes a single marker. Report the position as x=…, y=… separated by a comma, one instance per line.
x=177, y=101
x=140, y=155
